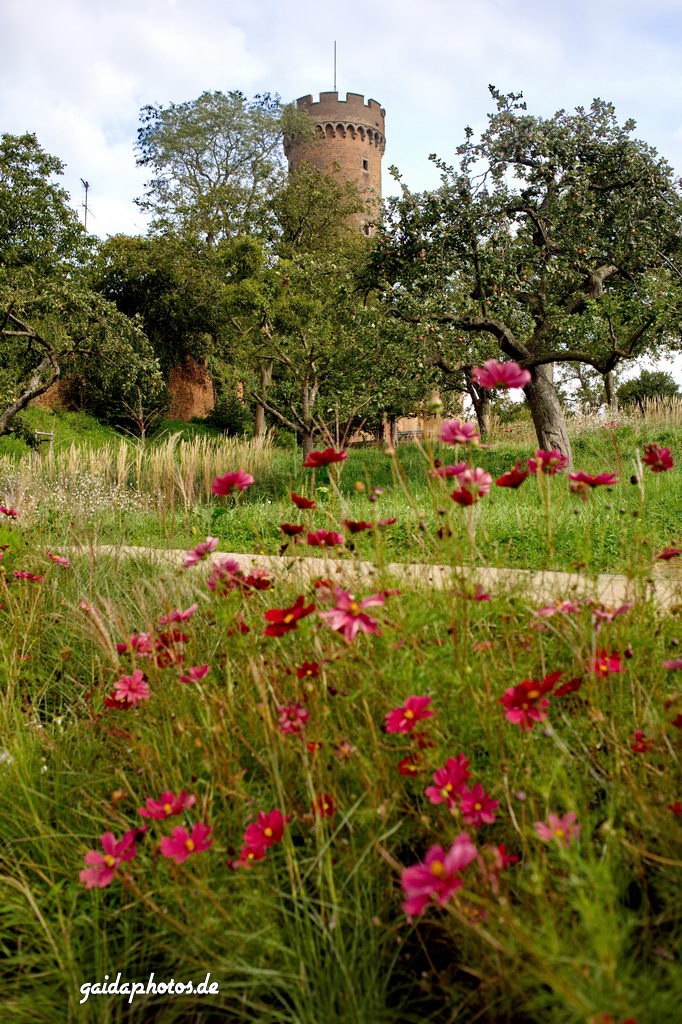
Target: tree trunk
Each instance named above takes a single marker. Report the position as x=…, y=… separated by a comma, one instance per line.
x=307, y=442
x=480, y=399
x=610, y=393
x=548, y=416
x=391, y=430
x=259, y=413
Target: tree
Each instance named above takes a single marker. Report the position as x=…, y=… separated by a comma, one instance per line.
x=555, y=240
x=649, y=386
x=216, y=161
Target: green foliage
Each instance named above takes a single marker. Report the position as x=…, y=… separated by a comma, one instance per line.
x=648, y=386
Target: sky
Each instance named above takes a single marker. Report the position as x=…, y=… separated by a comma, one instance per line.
x=77, y=72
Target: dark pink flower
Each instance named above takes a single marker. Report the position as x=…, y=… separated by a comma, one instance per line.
x=324, y=806
x=404, y=719
x=526, y=703
x=500, y=375
x=266, y=830
x=238, y=480
x=178, y=616
x=598, y=480
x=477, y=806
x=292, y=718
x=411, y=765
x=513, y=477
x=572, y=686
x=354, y=526
x=348, y=616
x=324, y=539
x=308, y=670
x=547, y=463
x=167, y=805
x=225, y=575
x=59, y=560
x=561, y=830
x=438, y=877
x=102, y=866
x=449, y=781
x=132, y=689
x=291, y=529
x=325, y=458
x=673, y=665
x=668, y=553
x=28, y=576
x=283, y=620
x=195, y=673
x=200, y=552
x=181, y=843
x=12, y=512
x=457, y=432
x=301, y=502
x=473, y=484
x=640, y=743
x=658, y=458
x=603, y=664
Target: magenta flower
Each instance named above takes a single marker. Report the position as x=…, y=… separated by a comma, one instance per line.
x=224, y=576
x=404, y=719
x=357, y=526
x=59, y=560
x=667, y=553
x=195, y=673
x=11, y=512
x=292, y=718
x=445, y=472
x=102, y=866
x=609, y=614
x=438, y=877
x=559, y=607
x=547, y=463
x=167, y=805
x=500, y=375
x=348, y=617
x=283, y=620
x=132, y=689
x=292, y=529
x=178, y=616
x=238, y=480
x=267, y=830
x=658, y=458
x=477, y=806
x=514, y=477
x=28, y=576
x=526, y=703
x=457, y=432
x=302, y=502
x=324, y=539
x=598, y=480
x=181, y=843
x=317, y=459
x=640, y=743
x=449, y=781
x=200, y=552
x=673, y=665
x=605, y=663
x=473, y=484
x=562, y=830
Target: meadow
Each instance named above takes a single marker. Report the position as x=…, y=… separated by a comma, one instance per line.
x=401, y=804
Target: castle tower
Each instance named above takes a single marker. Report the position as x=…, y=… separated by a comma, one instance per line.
x=349, y=133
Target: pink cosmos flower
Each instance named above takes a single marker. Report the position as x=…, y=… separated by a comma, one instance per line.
x=28, y=576
x=347, y=616
x=302, y=502
x=200, y=552
x=248, y=855
x=266, y=830
x=195, y=673
x=238, y=480
x=445, y=472
x=438, y=877
x=178, y=615
x=140, y=644
x=291, y=529
x=547, y=463
x=224, y=576
x=572, y=686
x=410, y=766
x=404, y=719
x=673, y=665
x=308, y=670
x=473, y=484
x=59, y=560
x=526, y=703
x=354, y=526
x=12, y=512
x=283, y=620
x=580, y=481
x=562, y=830
x=513, y=477
x=132, y=689
x=559, y=607
x=477, y=806
x=292, y=718
x=325, y=458
x=167, y=805
x=324, y=539
x=667, y=553
x=641, y=744
x=181, y=843
x=605, y=663
x=457, y=432
x=609, y=614
x=658, y=458
x=449, y=781
x=102, y=866
x=500, y=375
x=323, y=806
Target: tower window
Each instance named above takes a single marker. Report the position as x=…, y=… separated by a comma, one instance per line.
x=365, y=165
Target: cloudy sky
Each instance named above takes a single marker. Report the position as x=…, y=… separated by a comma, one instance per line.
x=76, y=72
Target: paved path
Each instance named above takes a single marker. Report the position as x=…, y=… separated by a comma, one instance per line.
x=540, y=586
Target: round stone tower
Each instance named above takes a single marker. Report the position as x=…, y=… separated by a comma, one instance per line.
x=349, y=134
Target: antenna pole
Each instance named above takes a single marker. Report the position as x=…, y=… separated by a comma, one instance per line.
x=335, y=65
x=86, y=186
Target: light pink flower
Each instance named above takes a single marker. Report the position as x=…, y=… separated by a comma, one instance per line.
x=496, y=375
x=178, y=616
x=181, y=843
x=347, y=616
x=238, y=480
x=200, y=552
x=195, y=673
x=404, y=719
x=59, y=560
x=324, y=539
x=657, y=457
x=438, y=877
x=562, y=830
x=28, y=576
x=547, y=463
x=132, y=689
x=102, y=866
x=292, y=718
x=559, y=607
x=445, y=472
x=477, y=806
x=167, y=805
x=449, y=781
x=609, y=614
x=473, y=484
x=457, y=432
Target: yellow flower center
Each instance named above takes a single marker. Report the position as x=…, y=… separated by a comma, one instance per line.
x=524, y=707
x=189, y=844
x=289, y=618
x=354, y=607
x=109, y=860
x=559, y=833
x=533, y=694
x=477, y=807
x=409, y=714
x=437, y=868
x=267, y=832
x=167, y=808
x=447, y=788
